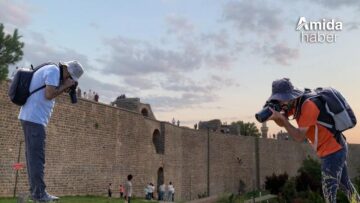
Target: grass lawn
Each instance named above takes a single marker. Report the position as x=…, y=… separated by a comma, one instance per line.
x=227, y=198
x=84, y=199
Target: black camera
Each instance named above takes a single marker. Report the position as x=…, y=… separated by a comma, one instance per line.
x=72, y=93
x=265, y=113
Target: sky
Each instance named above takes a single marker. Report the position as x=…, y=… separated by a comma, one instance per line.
x=193, y=60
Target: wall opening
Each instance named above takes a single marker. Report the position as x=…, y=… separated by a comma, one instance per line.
x=159, y=142
x=160, y=179
x=145, y=112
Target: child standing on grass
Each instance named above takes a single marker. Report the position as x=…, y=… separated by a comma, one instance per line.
x=109, y=191
x=121, y=190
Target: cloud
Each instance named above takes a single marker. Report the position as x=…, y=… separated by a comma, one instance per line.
x=259, y=24
x=220, y=40
x=178, y=24
x=140, y=82
x=186, y=100
x=181, y=83
x=251, y=16
x=208, y=85
x=37, y=53
x=335, y=4
x=132, y=57
x=94, y=25
x=352, y=25
x=14, y=13
x=107, y=92
x=281, y=53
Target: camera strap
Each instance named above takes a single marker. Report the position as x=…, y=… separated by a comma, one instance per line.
x=61, y=74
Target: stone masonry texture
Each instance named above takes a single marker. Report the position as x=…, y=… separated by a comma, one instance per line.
x=89, y=145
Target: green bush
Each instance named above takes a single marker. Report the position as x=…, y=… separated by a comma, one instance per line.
x=275, y=183
x=309, y=177
x=289, y=192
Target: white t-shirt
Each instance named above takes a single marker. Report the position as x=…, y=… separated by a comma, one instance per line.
x=150, y=189
x=162, y=188
x=171, y=188
x=128, y=188
x=37, y=108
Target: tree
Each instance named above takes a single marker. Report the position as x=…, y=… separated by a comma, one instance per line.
x=247, y=129
x=10, y=51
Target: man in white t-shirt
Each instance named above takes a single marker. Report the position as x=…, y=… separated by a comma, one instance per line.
x=171, y=192
x=35, y=114
x=162, y=188
x=128, y=188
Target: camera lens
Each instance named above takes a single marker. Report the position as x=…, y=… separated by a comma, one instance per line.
x=73, y=97
x=263, y=115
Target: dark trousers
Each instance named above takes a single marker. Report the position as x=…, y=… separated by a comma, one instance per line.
x=335, y=175
x=35, y=156
x=161, y=195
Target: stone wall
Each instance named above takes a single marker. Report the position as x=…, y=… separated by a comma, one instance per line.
x=90, y=144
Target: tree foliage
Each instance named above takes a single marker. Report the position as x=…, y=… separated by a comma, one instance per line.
x=10, y=51
x=244, y=128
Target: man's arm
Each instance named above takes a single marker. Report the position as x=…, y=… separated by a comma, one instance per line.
x=299, y=134
x=51, y=91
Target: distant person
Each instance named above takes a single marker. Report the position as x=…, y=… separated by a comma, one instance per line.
x=89, y=95
x=93, y=96
x=96, y=97
x=178, y=123
x=121, y=190
x=128, y=188
x=109, y=190
x=195, y=126
x=149, y=191
x=171, y=192
x=85, y=96
x=161, y=192
x=152, y=190
x=146, y=190
x=78, y=92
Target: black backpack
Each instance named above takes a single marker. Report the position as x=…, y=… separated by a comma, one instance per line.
x=19, y=88
x=335, y=112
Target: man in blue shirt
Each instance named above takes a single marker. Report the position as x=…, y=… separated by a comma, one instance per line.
x=35, y=114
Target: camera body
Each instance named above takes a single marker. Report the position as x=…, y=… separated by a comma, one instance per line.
x=72, y=93
x=265, y=113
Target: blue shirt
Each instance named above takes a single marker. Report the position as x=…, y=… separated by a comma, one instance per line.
x=37, y=108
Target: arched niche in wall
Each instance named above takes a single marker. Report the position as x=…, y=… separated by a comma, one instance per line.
x=160, y=176
x=159, y=142
x=145, y=112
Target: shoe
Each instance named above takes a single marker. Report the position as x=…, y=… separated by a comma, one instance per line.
x=54, y=197
x=47, y=198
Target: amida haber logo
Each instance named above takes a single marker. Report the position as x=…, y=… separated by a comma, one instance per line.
x=321, y=31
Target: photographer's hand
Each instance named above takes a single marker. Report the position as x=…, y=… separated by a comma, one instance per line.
x=278, y=117
x=68, y=83
x=299, y=134
x=51, y=91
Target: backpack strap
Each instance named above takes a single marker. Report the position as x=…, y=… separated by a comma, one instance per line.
x=42, y=87
x=36, y=69
x=324, y=118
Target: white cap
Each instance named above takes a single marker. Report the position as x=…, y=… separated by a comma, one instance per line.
x=74, y=68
